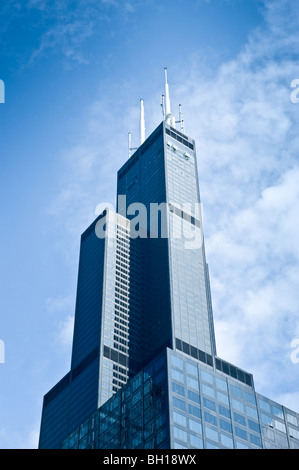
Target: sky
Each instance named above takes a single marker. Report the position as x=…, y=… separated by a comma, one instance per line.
x=74, y=73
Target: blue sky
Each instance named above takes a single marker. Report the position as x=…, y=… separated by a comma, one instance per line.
x=74, y=72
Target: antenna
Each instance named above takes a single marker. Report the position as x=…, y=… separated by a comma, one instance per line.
x=129, y=144
x=163, y=105
x=181, y=119
x=167, y=100
x=142, y=123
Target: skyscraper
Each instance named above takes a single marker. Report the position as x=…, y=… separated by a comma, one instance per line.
x=144, y=369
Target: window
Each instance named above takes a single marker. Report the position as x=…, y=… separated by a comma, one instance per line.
x=225, y=425
x=193, y=410
x=208, y=390
x=179, y=403
x=266, y=419
x=209, y=404
x=251, y=412
x=193, y=396
x=175, y=361
x=239, y=419
x=211, y=434
x=179, y=434
x=222, y=397
x=206, y=377
x=177, y=388
x=291, y=419
x=211, y=419
x=179, y=419
x=250, y=398
x=280, y=426
x=238, y=405
x=227, y=441
x=192, y=383
x=236, y=391
x=254, y=426
x=264, y=405
x=191, y=369
x=240, y=432
x=224, y=411
x=221, y=384
x=195, y=426
x=277, y=412
x=255, y=440
x=175, y=374
x=196, y=441
x=294, y=432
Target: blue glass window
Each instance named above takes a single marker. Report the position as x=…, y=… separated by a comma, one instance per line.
x=179, y=434
x=236, y=391
x=224, y=411
x=255, y=440
x=193, y=396
x=195, y=426
x=175, y=361
x=254, y=426
x=196, y=441
x=240, y=432
x=177, y=388
x=175, y=374
x=227, y=441
x=211, y=419
x=179, y=419
x=209, y=404
x=179, y=403
x=211, y=434
x=193, y=410
x=192, y=383
x=251, y=412
x=239, y=419
x=191, y=369
x=225, y=425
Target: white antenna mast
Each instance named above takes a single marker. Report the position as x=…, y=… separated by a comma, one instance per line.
x=129, y=145
x=163, y=106
x=168, y=117
x=142, y=123
x=181, y=119
x=167, y=100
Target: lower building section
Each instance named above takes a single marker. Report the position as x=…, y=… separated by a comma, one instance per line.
x=177, y=402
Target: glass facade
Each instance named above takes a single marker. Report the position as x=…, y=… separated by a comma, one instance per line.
x=106, y=333
x=190, y=290
x=179, y=403
x=136, y=417
x=144, y=370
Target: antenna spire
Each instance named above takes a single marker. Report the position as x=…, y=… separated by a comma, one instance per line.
x=142, y=123
x=168, y=117
x=167, y=100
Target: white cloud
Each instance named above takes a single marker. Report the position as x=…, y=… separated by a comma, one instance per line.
x=246, y=132
x=247, y=147
x=59, y=304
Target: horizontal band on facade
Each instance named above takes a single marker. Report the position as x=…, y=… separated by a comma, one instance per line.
x=220, y=365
